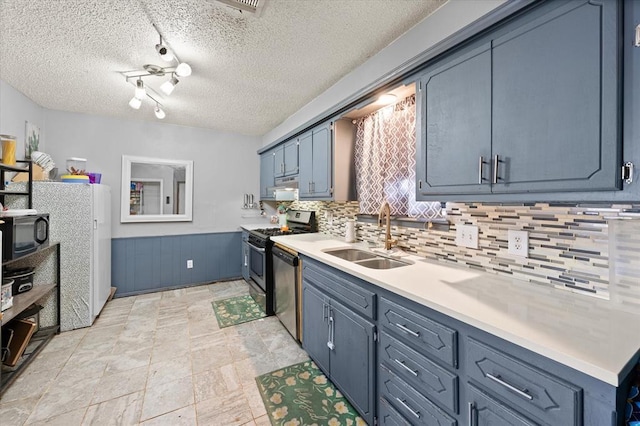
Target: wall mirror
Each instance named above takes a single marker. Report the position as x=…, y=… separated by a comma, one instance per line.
x=156, y=190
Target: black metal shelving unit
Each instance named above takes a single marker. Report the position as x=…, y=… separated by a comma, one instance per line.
x=23, y=301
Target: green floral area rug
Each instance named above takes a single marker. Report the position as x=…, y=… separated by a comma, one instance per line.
x=302, y=395
x=237, y=310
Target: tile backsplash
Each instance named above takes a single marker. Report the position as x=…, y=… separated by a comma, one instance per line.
x=568, y=245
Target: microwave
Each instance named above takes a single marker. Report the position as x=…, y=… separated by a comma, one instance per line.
x=23, y=235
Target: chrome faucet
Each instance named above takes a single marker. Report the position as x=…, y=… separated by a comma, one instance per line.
x=386, y=212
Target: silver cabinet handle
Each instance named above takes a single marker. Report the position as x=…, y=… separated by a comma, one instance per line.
x=324, y=311
x=403, y=365
x=496, y=161
x=309, y=187
x=471, y=423
x=313, y=187
x=481, y=163
x=406, y=330
x=330, y=343
x=245, y=260
x=282, y=167
x=497, y=379
x=411, y=410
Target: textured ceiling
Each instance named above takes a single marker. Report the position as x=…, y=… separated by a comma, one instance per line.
x=249, y=74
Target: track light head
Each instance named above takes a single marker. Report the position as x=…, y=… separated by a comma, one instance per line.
x=183, y=70
x=164, y=51
x=140, y=92
x=168, y=86
x=160, y=114
x=135, y=103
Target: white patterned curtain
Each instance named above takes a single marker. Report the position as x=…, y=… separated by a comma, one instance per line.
x=385, y=162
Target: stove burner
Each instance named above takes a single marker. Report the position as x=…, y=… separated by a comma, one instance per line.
x=272, y=232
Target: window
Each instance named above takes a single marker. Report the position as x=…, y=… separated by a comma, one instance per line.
x=385, y=156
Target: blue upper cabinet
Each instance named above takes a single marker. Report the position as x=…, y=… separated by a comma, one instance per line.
x=291, y=158
x=532, y=107
x=286, y=159
x=315, y=178
x=555, y=101
x=454, y=124
x=267, y=175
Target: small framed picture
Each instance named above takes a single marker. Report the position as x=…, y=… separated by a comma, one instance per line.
x=31, y=139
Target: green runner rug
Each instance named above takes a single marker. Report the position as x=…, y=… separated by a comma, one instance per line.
x=302, y=395
x=236, y=310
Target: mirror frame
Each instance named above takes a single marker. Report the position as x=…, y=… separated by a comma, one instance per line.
x=125, y=188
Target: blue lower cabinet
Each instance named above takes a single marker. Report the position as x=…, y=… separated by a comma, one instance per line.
x=389, y=416
x=410, y=403
x=339, y=340
x=429, y=369
x=485, y=411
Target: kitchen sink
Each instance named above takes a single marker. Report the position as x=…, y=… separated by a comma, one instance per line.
x=366, y=259
x=382, y=263
x=352, y=255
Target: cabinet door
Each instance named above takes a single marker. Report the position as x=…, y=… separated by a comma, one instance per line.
x=267, y=178
x=305, y=176
x=278, y=161
x=291, y=158
x=322, y=182
x=454, y=126
x=315, y=325
x=555, y=100
x=485, y=411
x=352, y=358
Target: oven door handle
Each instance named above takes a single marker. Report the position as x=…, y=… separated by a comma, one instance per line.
x=256, y=248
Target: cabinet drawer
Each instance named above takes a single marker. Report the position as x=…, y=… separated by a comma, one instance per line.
x=543, y=396
x=423, y=374
x=411, y=404
x=485, y=410
x=388, y=415
x=343, y=287
x=421, y=332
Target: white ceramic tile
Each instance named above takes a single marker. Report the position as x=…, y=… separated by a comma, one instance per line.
x=167, y=397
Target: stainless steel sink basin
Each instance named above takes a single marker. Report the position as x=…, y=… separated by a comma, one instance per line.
x=352, y=255
x=366, y=259
x=382, y=263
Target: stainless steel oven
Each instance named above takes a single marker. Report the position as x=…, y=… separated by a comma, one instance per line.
x=260, y=260
x=257, y=263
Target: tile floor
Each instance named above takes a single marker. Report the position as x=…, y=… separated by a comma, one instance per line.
x=154, y=359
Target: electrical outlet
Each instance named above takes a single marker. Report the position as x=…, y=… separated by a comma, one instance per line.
x=518, y=243
x=189, y=264
x=467, y=236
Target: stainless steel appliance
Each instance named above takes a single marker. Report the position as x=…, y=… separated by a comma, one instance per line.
x=287, y=282
x=260, y=259
x=23, y=234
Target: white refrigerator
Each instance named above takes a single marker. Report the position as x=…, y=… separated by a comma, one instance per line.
x=80, y=219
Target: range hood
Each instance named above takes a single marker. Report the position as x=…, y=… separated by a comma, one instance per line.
x=285, y=189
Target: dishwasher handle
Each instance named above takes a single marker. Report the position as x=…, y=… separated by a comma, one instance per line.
x=288, y=258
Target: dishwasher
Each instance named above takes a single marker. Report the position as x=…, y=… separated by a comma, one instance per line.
x=287, y=288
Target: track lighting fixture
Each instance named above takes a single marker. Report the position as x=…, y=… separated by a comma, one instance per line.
x=168, y=86
x=160, y=114
x=144, y=90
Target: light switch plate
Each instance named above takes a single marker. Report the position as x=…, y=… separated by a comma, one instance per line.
x=518, y=243
x=467, y=236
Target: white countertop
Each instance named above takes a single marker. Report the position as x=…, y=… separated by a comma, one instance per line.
x=585, y=333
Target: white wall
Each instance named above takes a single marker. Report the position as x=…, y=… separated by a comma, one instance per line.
x=225, y=165
x=15, y=110
x=451, y=17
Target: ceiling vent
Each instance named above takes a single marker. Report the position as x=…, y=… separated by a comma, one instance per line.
x=252, y=7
